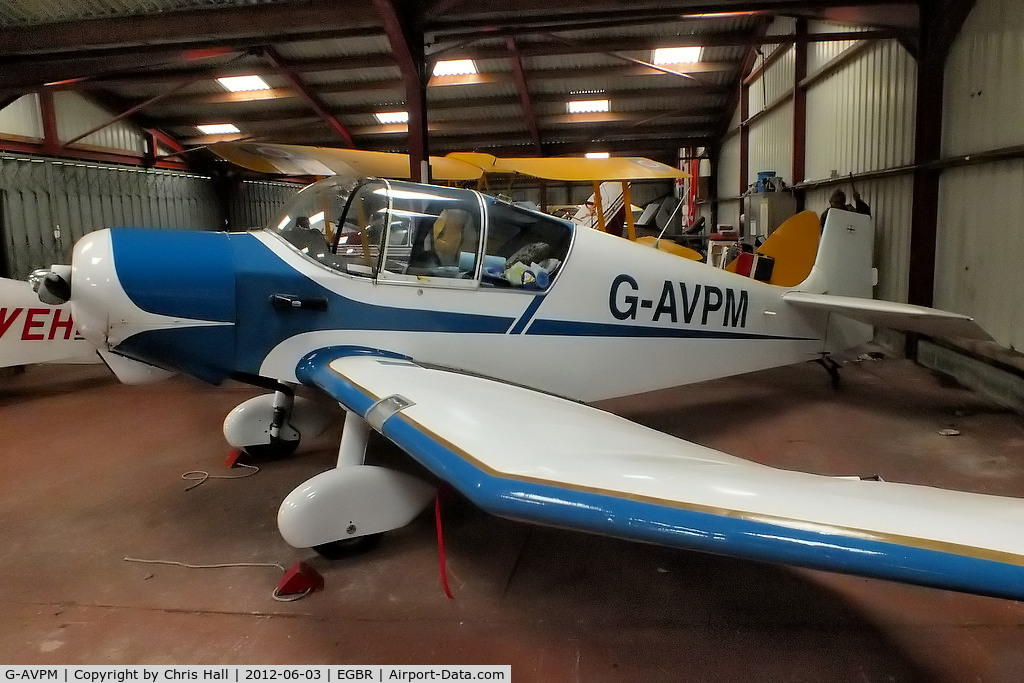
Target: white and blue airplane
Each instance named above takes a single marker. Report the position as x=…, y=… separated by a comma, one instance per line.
x=472, y=334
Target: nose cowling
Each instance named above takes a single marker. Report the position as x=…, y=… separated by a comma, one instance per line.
x=164, y=297
x=92, y=272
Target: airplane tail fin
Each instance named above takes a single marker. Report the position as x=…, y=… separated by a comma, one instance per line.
x=836, y=260
x=843, y=265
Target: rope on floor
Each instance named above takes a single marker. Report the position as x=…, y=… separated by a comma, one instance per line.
x=200, y=476
x=273, y=565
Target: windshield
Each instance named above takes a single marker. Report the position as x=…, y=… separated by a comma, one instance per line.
x=325, y=223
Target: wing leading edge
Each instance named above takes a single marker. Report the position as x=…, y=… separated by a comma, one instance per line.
x=525, y=455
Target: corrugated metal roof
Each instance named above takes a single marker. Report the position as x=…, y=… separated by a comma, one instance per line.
x=34, y=12
x=330, y=65
x=338, y=48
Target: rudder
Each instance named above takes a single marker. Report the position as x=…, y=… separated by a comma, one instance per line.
x=843, y=266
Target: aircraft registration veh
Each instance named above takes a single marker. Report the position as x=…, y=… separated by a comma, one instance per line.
x=471, y=332
x=33, y=332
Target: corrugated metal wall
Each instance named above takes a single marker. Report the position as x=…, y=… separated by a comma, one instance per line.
x=256, y=203
x=76, y=115
x=22, y=118
x=48, y=205
x=983, y=96
x=728, y=182
x=821, y=53
x=771, y=144
x=981, y=248
x=981, y=211
x=860, y=118
x=776, y=81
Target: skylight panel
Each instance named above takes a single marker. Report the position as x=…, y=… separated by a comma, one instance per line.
x=243, y=83
x=455, y=67
x=218, y=128
x=677, y=55
x=587, y=106
x=386, y=117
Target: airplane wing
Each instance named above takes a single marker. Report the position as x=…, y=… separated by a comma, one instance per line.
x=306, y=160
x=530, y=456
x=896, y=316
x=573, y=168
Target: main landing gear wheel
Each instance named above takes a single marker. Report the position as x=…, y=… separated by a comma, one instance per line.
x=275, y=450
x=272, y=426
x=348, y=547
x=346, y=510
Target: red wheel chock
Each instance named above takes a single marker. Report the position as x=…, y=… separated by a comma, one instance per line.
x=301, y=578
x=234, y=456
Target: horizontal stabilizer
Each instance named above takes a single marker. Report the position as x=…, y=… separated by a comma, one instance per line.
x=896, y=316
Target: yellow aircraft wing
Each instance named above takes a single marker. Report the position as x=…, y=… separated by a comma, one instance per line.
x=670, y=247
x=305, y=160
x=573, y=168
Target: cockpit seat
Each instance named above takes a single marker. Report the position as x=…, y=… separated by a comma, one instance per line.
x=450, y=231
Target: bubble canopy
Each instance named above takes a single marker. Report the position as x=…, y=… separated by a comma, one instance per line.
x=401, y=231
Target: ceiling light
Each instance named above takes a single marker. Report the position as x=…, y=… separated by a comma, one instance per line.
x=597, y=155
x=387, y=117
x=455, y=67
x=243, y=83
x=715, y=15
x=587, y=106
x=218, y=128
x=677, y=55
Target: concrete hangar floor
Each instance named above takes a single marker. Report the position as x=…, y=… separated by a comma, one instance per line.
x=91, y=470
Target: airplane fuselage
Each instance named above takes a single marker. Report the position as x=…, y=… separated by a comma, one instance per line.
x=616, y=319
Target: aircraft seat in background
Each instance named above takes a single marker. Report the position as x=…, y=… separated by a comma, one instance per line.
x=451, y=229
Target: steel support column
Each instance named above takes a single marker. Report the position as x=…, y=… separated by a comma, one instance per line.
x=48, y=112
x=404, y=28
x=744, y=138
x=940, y=23
x=799, y=110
